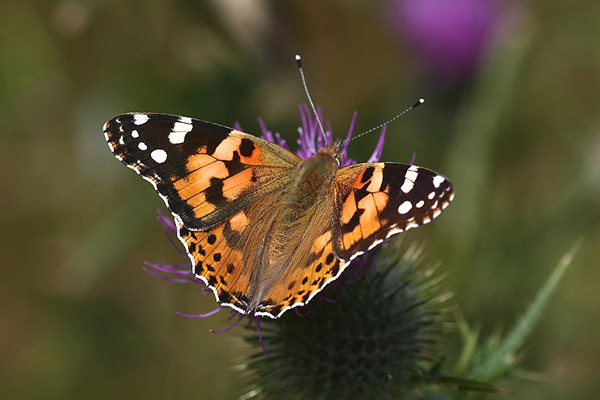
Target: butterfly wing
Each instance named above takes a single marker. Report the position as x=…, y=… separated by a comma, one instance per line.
x=226, y=258
x=376, y=201
x=204, y=172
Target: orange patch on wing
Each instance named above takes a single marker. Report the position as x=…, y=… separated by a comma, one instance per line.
x=234, y=185
x=253, y=159
x=321, y=242
x=348, y=240
x=227, y=148
x=348, y=208
x=198, y=161
x=357, y=235
x=376, y=181
x=358, y=183
x=369, y=220
x=201, y=206
x=239, y=221
x=351, y=238
x=381, y=200
x=199, y=180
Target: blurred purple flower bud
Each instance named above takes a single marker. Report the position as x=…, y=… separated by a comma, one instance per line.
x=449, y=36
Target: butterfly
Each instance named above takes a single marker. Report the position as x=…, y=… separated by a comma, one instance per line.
x=265, y=229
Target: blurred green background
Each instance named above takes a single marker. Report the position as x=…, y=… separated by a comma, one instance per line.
x=512, y=120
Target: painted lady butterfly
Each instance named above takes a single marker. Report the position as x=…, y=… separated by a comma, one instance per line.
x=265, y=229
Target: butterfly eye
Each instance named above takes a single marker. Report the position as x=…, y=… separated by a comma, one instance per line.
x=338, y=159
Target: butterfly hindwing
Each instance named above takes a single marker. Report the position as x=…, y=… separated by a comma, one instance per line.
x=204, y=172
x=376, y=201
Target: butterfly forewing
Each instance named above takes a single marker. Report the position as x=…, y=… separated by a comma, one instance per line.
x=204, y=172
x=376, y=201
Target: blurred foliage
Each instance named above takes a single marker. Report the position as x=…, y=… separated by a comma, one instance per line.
x=518, y=137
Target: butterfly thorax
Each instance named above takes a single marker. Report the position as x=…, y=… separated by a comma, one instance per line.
x=314, y=173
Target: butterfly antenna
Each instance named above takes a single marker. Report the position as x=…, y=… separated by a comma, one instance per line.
x=417, y=104
x=312, y=105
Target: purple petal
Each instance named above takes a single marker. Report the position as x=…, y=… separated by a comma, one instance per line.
x=346, y=142
x=337, y=285
x=281, y=141
x=206, y=315
x=266, y=134
x=260, y=337
x=299, y=311
x=379, y=147
x=175, y=245
x=166, y=222
x=184, y=279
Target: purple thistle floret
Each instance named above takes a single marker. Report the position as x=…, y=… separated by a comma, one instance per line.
x=309, y=142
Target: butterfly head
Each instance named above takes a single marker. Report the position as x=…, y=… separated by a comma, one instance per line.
x=321, y=167
x=334, y=151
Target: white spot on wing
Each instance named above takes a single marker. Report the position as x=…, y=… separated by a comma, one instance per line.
x=177, y=137
x=407, y=186
x=140, y=119
x=142, y=146
x=409, y=179
x=375, y=244
x=182, y=127
x=431, y=195
x=420, y=204
x=393, y=232
x=159, y=155
x=412, y=225
x=135, y=134
x=437, y=180
x=405, y=207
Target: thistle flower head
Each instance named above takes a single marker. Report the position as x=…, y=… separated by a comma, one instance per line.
x=380, y=339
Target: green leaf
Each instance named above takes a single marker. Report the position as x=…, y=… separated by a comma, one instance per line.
x=504, y=356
